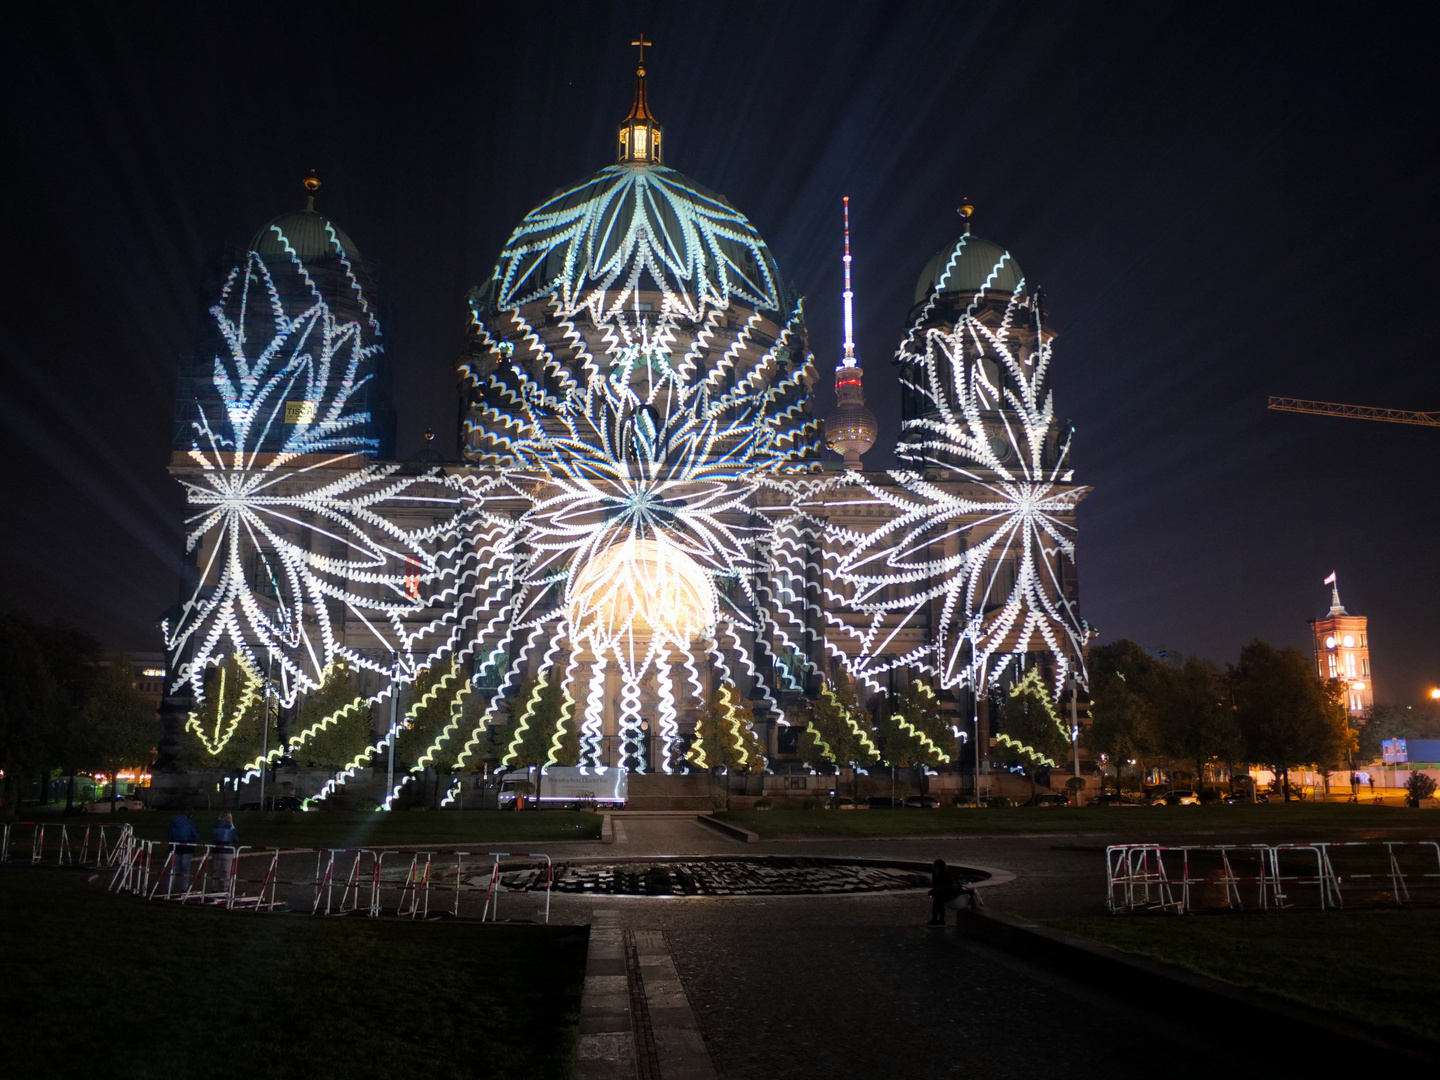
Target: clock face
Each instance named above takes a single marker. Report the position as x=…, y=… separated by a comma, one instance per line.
x=1349, y=641
x=999, y=447
x=1330, y=642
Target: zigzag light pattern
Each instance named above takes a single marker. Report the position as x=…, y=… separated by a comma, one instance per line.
x=640, y=402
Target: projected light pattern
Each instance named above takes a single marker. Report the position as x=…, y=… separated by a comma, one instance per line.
x=627, y=228
x=980, y=525
x=642, y=523
x=987, y=417
x=292, y=543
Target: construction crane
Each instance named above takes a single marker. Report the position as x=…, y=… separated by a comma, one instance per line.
x=1355, y=412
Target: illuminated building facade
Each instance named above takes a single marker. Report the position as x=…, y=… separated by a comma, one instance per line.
x=1342, y=651
x=643, y=516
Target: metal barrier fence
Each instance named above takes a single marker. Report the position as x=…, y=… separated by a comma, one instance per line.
x=1265, y=877
x=91, y=844
x=372, y=882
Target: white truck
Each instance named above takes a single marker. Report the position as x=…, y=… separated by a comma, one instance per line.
x=563, y=786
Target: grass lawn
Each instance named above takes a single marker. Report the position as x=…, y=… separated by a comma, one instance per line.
x=1270, y=822
x=1377, y=967
x=359, y=828
x=94, y=981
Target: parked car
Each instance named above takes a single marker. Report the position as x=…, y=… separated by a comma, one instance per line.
x=289, y=802
x=922, y=802
x=1049, y=798
x=1117, y=798
x=114, y=806
x=1240, y=797
x=1182, y=797
x=844, y=802
x=884, y=802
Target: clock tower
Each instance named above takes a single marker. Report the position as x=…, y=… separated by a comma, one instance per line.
x=1342, y=651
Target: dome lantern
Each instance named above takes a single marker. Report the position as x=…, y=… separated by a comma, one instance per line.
x=639, y=132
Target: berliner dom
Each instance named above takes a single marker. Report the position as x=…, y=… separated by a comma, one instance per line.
x=648, y=516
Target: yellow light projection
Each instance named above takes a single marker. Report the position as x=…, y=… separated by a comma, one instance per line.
x=645, y=590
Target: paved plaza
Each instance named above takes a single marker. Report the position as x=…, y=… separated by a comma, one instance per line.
x=859, y=986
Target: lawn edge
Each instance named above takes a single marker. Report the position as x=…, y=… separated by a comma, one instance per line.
x=1146, y=981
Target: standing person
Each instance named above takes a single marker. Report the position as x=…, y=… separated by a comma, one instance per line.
x=1354, y=787
x=226, y=839
x=182, y=837
x=1371, y=779
x=943, y=889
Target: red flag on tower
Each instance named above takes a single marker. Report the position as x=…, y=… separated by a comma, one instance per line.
x=1329, y=580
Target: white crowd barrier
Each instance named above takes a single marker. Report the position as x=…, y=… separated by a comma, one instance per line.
x=1264, y=877
x=57, y=843
x=345, y=881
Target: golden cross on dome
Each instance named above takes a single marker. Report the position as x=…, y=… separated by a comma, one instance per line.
x=642, y=43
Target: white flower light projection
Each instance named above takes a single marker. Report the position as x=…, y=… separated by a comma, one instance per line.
x=642, y=519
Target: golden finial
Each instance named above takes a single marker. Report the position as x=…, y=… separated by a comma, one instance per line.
x=312, y=184
x=966, y=210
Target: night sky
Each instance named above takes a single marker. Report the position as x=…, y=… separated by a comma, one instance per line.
x=1221, y=202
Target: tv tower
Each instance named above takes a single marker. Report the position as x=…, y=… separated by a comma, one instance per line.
x=850, y=429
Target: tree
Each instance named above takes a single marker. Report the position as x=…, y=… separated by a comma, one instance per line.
x=225, y=731
x=544, y=729
x=725, y=734
x=839, y=732
x=441, y=712
x=1030, y=727
x=913, y=730
x=332, y=724
x=1286, y=714
x=1195, y=722
x=118, y=727
x=30, y=702
x=1396, y=722
x=1418, y=787
x=1124, y=681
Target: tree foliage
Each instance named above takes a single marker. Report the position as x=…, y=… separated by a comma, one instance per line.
x=1029, y=727
x=1195, y=722
x=1125, y=684
x=30, y=705
x=333, y=723
x=839, y=732
x=1287, y=715
x=225, y=730
x=1418, y=787
x=542, y=711
x=725, y=734
x=438, y=703
x=119, y=727
x=913, y=730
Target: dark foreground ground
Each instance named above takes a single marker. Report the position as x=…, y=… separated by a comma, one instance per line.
x=92, y=981
x=785, y=987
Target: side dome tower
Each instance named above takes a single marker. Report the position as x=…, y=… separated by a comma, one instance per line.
x=638, y=276
x=291, y=360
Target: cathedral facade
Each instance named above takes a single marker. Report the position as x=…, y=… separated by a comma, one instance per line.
x=649, y=519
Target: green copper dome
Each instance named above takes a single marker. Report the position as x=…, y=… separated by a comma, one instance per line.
x=633, y=227
x=970, y=265
x=308, y=235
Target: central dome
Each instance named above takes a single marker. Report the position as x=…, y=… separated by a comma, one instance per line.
x=637, y=228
